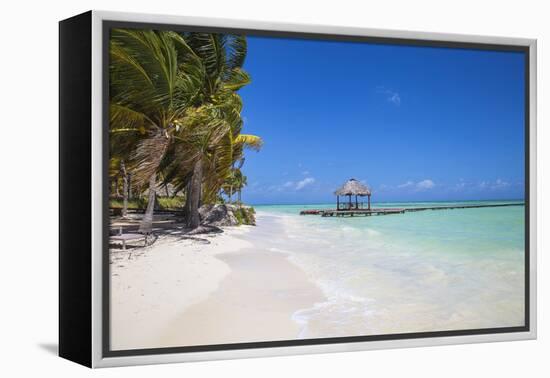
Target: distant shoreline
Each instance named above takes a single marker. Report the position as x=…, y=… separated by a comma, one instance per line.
x=387, y=202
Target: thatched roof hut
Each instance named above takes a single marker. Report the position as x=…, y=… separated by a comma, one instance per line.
x=352, y=188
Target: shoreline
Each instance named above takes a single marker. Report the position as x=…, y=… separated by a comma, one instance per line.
x=294, y=277
x=181, y=292
x=255, y=302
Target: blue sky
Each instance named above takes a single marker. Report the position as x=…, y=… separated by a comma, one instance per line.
x=414, y=123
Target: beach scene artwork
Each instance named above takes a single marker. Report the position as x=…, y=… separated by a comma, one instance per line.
x=265, y=189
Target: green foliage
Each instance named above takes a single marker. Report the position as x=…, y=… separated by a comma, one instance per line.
x=136, y=203
x=171, y=203
x=174, y=107
x=154, y=78
x=166, y=203
x=245, y=215
x=234, y=183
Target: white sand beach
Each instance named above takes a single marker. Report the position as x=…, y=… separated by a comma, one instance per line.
x=214, y=289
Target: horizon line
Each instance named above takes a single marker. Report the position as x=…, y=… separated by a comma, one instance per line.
x=398, y=201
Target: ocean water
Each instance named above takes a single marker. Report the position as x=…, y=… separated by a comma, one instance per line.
x=413, y=272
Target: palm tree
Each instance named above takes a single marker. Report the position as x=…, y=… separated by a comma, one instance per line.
x=240, y=182
x=228, y=186
x=204, y=156
x=124, y=174
x=219, y=107
x=174, y=110
x=154, y=78
x=201, y=154
x=236, y=180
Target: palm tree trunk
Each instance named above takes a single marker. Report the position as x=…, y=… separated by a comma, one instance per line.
x=146, y=224
x=192, y=202
x=239, y=196
x=124, y=189
x=117, y=190
x=130, y=194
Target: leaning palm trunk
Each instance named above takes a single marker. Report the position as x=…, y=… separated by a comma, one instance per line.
x=124, y=189
x=146, y=224
x=192, y=202
x=130, y=193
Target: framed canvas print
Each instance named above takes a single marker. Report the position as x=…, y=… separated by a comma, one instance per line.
x=236, y=189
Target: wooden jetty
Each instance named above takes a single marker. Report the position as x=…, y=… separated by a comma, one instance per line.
x=359, y=212
x=465, y=206
x=393, y=210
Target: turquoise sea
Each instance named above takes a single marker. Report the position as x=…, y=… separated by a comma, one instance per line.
x=418, y=271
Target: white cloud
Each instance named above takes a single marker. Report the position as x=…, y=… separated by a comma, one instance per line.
x=500, y=184
x=461, y=185
x=395, y=98
x=425, y=184
x=406, y=184
x=410, y=186
x=494, y=185
x=292, y=185
x=305, y=182
x=391, y=96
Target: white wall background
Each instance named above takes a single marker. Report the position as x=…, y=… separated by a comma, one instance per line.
x=28, y=210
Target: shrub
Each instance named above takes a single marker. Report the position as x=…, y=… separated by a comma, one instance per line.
x=245, y=215
x=135, y=203
x=167, y=203
x=171, y=203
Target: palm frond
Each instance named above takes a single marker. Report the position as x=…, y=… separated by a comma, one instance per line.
x=250, y=141
x=153, y=72
x=122, y=117
x=209, y=47
x=147, y=157
x=236, y=79
x=236, y=49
